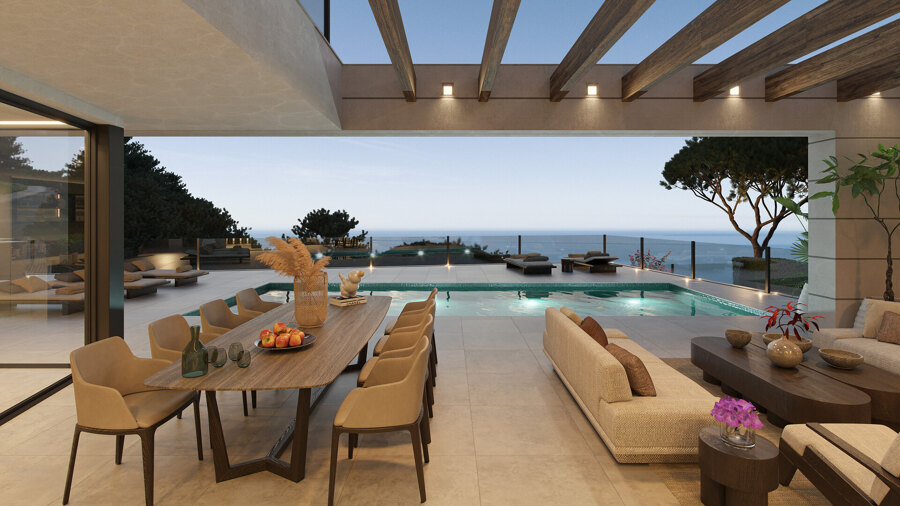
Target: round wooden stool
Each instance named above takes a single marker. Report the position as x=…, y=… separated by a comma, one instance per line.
x=736, y=476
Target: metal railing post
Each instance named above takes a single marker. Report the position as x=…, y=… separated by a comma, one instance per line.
x=693, y=260
x=370, y=245
x=768, y=269
x=198, y=254
x=642, y=252
x=604, y=243
x=448, y=250
x=520, y=244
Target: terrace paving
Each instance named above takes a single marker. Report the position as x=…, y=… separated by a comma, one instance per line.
x=505, y=431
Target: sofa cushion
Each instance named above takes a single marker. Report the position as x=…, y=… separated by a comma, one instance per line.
x=594, y=330
x=31, y=284
x=80, y=274
x=889, y=331
x=891, y=460
x=183, y=268
x=131, y=276
x=144, y=265
x=860, y=321
x=638, y=378
x=874, y=311
x=67, y=277
x=130, y=267
x=571, y=315
x=882, y=355
x=536, y=258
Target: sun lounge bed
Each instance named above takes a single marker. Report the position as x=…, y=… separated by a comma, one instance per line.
x=71, y=303
x=592, y=261
x=218, y=254
x=186, y=277
x=143, y=286
x=531, y=263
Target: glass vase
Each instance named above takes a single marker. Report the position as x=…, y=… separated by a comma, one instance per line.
x=311, y=300
x=194, y=358
x=739, y=437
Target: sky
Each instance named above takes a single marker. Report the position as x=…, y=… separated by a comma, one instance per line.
x=463, y=183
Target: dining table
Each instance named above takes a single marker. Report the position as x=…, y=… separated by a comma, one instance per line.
x=344, y=336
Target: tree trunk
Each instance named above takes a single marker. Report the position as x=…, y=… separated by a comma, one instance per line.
x=889, y=273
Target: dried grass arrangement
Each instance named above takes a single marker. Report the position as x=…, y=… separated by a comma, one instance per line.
x=292, y=258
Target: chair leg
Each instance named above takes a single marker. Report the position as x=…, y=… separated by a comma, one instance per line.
x=120, y=444
x=429, y=396
x=253, y=398
x=351, y=443
x=432, y=369
x=786, y=470
x=434, y=347
x=417, y=452
x=244, y=397
x=147, y=451
x=332, y=473
x=71, y=465
x=178, y=416
x=197, y=427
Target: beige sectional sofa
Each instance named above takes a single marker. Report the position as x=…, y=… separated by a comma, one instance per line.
x=635, y=429
x=861, y=337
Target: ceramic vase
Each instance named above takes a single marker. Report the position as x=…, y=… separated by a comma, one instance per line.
x=784, y=353
x=311, y=300
x=194, y=358
x=738, y=338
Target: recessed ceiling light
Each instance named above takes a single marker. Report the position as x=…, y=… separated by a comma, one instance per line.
x=32, y=123
x=735, y=91
x=876, y=94
x=448, y=89
x=592, y=90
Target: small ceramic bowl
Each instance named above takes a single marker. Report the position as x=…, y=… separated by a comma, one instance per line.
x=842, y=359
x=738, y=338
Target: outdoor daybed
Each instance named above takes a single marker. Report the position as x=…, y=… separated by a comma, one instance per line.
x=531, y=263
x=181, y=277
x=636, y=429
x=862, y=337
x=208, y=253
x=593, y=261
x=72, y=303
x=134, y=284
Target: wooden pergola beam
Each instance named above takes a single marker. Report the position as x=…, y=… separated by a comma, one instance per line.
x=879, y=77
x=387, y=16
x=849, y=58
x=714, y=26
x=819, y=27
x=612, y=20
x=503, y=15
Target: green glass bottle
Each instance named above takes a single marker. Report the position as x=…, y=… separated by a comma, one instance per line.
x=194, y=358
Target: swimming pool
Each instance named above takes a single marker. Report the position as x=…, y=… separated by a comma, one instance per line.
x=531, y=299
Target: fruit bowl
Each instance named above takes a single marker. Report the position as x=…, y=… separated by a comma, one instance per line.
x=309, y=340
x=841, y=359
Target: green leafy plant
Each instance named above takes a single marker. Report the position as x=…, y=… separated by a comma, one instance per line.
x=869, y=179
x=800, y=247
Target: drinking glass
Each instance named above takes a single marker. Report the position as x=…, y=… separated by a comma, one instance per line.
x=235, y=351
x=221, y=357
x=244, y=361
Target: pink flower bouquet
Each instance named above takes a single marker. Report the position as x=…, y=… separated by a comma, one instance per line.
x=736, y=413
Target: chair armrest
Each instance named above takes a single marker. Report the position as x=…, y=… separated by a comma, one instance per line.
x=387, y=370
x=139, y=369
x=102, y=407
x=891, y=481
x=410, y=319
x=401, y=340
x=398, y=353
x=369, y=408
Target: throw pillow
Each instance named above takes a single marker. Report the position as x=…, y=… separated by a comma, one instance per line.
x=595, y=254
x=638, y=377
x=874, y=311
x=69, y=290
x=183, y=268
x=889, y=332
x=9, y=287
x=31, y=284
x=67, y=277
x=80, y=274
x=860, y=321
x=132, y=276
x=130, y=267
x=571, y=315
x=536, y=258
x=594, y=330
x=143, y=265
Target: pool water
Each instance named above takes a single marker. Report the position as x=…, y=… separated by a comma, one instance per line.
x=506, y=299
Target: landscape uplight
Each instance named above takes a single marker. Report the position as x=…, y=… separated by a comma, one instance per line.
x=592, y=90
x=735, y=91
x=448, y=89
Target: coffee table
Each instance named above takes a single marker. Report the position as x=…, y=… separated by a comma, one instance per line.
x=736, y=476
x=798, y=395
x=882, y=386
x=344, y=336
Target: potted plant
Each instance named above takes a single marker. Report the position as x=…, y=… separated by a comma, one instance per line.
x=869, y=182
x=739, y=421
x=790, y=320
x=291, y=258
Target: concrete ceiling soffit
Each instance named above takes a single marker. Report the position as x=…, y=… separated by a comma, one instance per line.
x=280, y=36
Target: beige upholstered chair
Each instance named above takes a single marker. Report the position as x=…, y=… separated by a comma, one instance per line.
x=848, y=463
x=412, y=307
x=417, y=308
x=406, y=342
x=406, y=336
x=111, y=398
x=387, y=407
x=216, y=318
x=249, y=303
x=170, y=335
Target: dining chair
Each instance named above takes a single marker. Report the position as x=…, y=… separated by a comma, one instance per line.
x=390, y=367
x=249, y=303
x=402, y=343
x=216, y=318
x=411, y=307
x=111, y=398
x=168, y=338
x=388, y=407
x=416, y=308
x=406, y=336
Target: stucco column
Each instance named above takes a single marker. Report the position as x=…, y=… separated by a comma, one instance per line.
x=847, y=251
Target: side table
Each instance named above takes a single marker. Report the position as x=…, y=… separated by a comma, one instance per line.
x=736, y=476
x=567, y=264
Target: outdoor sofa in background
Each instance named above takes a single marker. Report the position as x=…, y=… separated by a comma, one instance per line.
x=183, y=275
x=530, y=263
x=861, y=338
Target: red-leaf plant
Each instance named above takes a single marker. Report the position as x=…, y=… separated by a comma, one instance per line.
x=790, y=320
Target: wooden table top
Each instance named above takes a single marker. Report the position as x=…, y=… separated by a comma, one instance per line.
x=346, y=331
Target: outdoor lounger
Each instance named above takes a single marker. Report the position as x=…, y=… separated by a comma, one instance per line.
x=71, y=303
x=531, y=263
x=186, y=277
x=593, y=261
